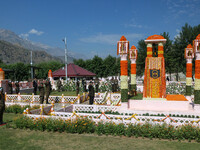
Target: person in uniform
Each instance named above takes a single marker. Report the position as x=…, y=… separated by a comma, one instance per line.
x=116, y=84
x=17, y=87
x=59, y=84
x=84, y=85
x=10, y=90
x=35, y=86
x=48, y=90
x=96, y=85
x=91, y=93
x=2, y=105
x=41, y=90
x=77, y=87
x=113, y=84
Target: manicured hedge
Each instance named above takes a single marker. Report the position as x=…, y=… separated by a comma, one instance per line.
x=18, y=109
x=84, y=125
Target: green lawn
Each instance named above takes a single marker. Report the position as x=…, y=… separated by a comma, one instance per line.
x=139, y=96
x=14, y=139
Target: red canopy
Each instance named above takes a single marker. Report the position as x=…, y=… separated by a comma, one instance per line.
x=73, y=71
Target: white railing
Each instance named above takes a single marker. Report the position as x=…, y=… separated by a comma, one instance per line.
x=95, y=108
x=36, y=99
x=113, y=99
x=125, y=119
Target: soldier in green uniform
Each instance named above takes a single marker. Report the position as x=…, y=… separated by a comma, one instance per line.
x=2, y=105
x=17, y=87
x=113, y=84
x=96, y=81
x=41, y=90
x=77, y=87
x=10, y=90
x=91, y=93
x=48, y=90
x=59, y=84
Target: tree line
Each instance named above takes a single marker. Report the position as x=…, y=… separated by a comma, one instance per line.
x=173, y=53
x=21, y=71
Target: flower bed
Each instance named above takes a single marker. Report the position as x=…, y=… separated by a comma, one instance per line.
x=84, y=125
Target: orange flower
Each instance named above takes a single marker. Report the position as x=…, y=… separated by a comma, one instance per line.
x=197, y=69
x=189, y=70
x=133, y=68
x=124, y=67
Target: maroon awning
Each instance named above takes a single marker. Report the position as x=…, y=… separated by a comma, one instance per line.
x=73, y=71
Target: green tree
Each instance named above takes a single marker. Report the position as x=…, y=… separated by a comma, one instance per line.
x=142, y=54
x=46, y=66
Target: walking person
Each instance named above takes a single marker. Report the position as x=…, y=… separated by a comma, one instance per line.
x=41, y=90
x=91, y=93
x=2, y=105
x=48, y=90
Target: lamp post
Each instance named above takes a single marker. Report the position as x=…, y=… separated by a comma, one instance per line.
x=31, y=65
x=65, y=41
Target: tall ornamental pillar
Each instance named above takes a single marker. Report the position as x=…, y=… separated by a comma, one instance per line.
x=196, y=44
x=133, y=58
x=122, y=49
x=189, y=55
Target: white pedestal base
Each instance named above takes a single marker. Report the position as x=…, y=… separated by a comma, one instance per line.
x=159, y=105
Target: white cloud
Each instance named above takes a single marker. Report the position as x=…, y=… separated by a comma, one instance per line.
x=24, y=36
x=110, y=39
x=34, y=31
x=133, y=25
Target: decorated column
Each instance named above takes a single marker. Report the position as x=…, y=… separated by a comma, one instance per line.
x=197, y=70
x=122, y=49
x=50, y=76
x=133, y=58
x=189, y=55
x=149, y=50
x=160, y=49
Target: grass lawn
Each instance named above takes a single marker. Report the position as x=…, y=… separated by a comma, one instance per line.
x=13, y=139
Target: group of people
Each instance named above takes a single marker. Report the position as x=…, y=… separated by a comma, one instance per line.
x=10, y=87
x=44, y=87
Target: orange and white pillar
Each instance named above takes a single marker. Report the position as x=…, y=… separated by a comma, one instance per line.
x=133, y=58
x=122, y=49
x=197, y=70
x=189, y=55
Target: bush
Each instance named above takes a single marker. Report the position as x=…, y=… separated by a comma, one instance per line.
x=84, y=125
x=19, y=109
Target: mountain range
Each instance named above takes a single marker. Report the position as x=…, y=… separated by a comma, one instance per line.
x=16, y=43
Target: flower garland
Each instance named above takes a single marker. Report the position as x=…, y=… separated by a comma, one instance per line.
x=133, y=68
x=124, y=67
x=189, y=70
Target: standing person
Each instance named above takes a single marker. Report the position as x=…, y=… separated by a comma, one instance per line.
x=113, y=84
x=10, y=90
x=17, y=87
x=97, y=85
x=35, y=86
x=2, y=105
x=77, y=87
x=41, y=90
x=91, y=93
x=59, y=84
x=48, y=90
x=116, y=84
x=84, y=85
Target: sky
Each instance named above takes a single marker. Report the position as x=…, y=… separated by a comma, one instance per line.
x=93, y=27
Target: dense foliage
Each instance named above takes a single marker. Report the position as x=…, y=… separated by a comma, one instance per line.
x=21, y=71
x=84, y=125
